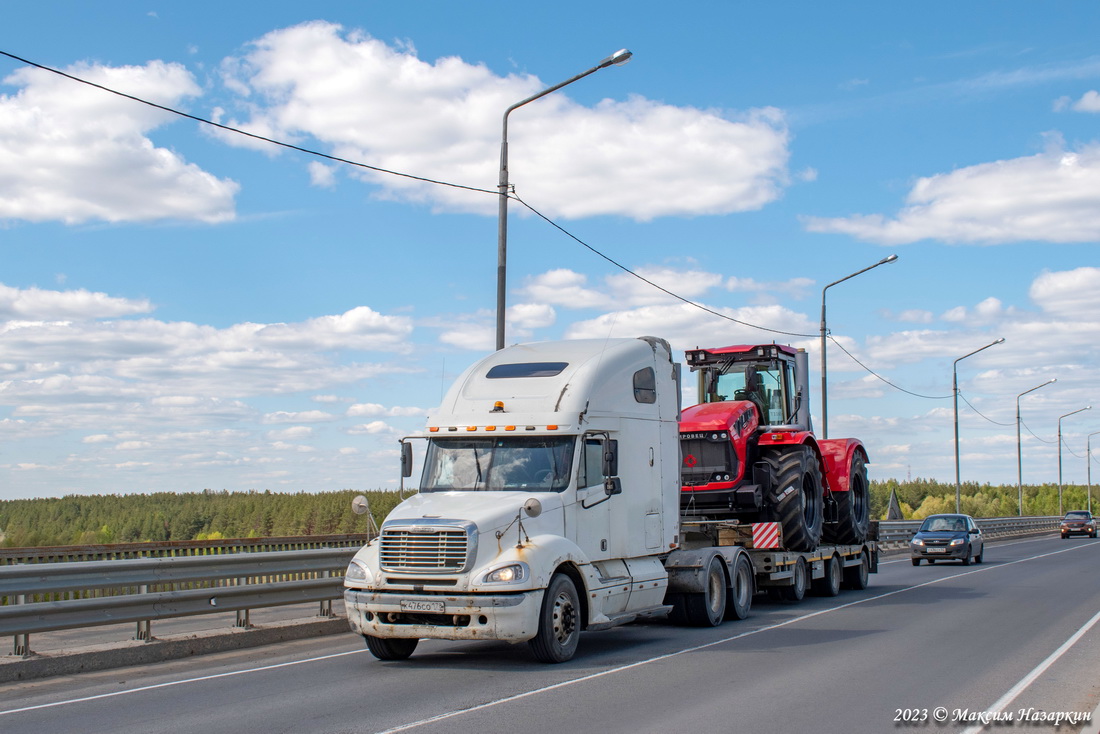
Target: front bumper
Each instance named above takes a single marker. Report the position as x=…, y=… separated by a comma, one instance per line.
x=1084, y=530
x=936, y=552
x=508, y=617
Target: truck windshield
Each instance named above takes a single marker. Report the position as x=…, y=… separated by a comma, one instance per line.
x=513, y=463
x=760, y=382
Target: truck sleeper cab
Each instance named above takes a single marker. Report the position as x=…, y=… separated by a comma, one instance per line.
x=550, y=487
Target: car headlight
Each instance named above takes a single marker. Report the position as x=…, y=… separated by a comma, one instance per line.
x=358, y=572
x=917, y=542
x=958, y=541
x=510, y=574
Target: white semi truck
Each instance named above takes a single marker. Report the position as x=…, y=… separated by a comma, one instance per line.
x=549, y=504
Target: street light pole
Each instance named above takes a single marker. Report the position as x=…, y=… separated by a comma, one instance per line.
x=955, y=395
x=1019, y=453
x=824, y=381
x=1067, y=415
x=618, y=58
x=1088, y=458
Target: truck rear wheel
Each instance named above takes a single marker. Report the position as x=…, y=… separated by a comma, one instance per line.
x=396, y=648
x=858, y=577
x=739, y=594
x=853, y=508
x=795, y=500
x=797, y=590
x=708, y=609
x=829, y=584
x=559, y=622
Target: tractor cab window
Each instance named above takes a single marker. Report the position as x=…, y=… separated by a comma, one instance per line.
x=763, y=383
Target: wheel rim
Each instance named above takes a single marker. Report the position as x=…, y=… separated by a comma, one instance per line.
x=564, y=618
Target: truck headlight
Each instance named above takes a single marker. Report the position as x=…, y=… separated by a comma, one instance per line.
x=358, y=572
x=510, y=574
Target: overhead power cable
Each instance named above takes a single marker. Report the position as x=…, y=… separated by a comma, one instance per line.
x=1025, y=425
x=238, y=131
x=437, y=182
x=996, y=423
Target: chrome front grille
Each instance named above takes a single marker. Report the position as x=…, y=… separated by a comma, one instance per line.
x=427, y=547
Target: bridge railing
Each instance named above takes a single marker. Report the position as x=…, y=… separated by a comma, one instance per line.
x=45, y=596
x=895, y=534
x=57, y=588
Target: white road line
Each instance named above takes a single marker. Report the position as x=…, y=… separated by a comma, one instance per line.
x=666, y=656
x=1037, y=671
x=178, y=682
x=457, y=712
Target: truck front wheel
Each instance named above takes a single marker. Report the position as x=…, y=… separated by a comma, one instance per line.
x=708, y=609
x=559, y=622
x=397, y=648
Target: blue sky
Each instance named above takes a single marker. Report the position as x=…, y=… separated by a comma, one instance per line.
x=182, y=308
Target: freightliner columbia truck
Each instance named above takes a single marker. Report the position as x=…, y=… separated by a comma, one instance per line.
x=550, y=503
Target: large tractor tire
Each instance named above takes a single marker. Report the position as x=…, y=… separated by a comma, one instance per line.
x=795, y=500
x=853, y=508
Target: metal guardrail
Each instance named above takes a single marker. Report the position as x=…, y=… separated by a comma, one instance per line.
x=895, y=534
x=144, y=589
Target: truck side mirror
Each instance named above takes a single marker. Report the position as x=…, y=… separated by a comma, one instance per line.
x=406, y=459
x=611, y=458
x=612, y=485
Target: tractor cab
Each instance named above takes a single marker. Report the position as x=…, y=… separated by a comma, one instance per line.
x=765, y=375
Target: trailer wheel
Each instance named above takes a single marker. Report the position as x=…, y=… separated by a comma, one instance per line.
x=739, y=595
x=829, y=584
x=397, y=648
x=795, y=501
x=559, y=622
x=708, y=609
x=796, y=592
x=858, y=577
x=853, y=508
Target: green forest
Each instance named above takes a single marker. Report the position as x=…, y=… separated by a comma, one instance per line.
x=128, y=518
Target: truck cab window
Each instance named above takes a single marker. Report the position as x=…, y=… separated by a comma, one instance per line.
x=591, y=469
x=645, y=386
x=498, y=464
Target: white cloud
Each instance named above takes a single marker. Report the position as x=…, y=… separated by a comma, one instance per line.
x=72, y=153
x=306, y=416
x=374, y=102
x=1068, y=293
x=1089, y=102
x=1050, y=197
x=35, y=303
x=373, y=427
x=372, y=409
x=289, y=434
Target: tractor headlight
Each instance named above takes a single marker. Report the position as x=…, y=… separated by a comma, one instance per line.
x=510, y=574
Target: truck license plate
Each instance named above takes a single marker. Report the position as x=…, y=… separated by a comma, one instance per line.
x=937, y=550
x=421, y=606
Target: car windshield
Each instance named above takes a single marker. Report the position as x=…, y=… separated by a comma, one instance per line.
x=512, y=463
x=944, y=524
x=1077, y=516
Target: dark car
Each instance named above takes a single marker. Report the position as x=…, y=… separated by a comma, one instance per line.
x=947, y=537
x=1078, y=522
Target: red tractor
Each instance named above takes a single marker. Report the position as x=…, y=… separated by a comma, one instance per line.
x=749, y=452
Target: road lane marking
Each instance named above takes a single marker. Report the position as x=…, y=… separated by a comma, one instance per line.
x=489, y=704
x=1037, y=671
x=562, y=684
x=178, y=683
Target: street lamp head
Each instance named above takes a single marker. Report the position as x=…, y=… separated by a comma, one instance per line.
x=889, y=259
x=618, y=58
x=999, y=341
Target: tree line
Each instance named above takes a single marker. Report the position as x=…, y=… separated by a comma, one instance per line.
x=131, y=518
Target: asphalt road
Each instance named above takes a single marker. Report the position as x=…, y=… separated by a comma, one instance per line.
x=1018, y=632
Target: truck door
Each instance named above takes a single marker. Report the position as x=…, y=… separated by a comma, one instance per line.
x=592, y=523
